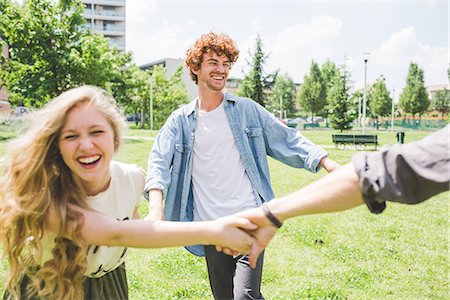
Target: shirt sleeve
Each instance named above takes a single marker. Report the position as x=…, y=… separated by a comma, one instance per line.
x=160, y=158
x=409, y=173
x=289, y=146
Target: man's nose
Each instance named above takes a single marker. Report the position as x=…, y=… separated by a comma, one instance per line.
x=221, y=68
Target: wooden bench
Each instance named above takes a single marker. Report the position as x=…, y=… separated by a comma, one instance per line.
x=359, y=141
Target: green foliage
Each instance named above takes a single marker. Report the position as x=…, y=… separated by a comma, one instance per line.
x=285, y=88
x=255, y=83
x=414, y=98
x=341, y=108
x=313, y=92
x=168, y=94
x=51, y=50
x=42, y=38
x=441, y=101
x=129, y=84
x=329, y=72
x=381, y=101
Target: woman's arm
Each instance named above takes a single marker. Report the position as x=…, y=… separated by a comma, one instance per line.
x=99, y=229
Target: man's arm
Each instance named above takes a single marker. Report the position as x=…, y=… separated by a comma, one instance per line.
x=328, y=164
x=155, y=205
x=404, y=173
x=336, y=191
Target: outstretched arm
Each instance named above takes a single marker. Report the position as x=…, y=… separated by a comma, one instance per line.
x=99, y=229
x=337, y=191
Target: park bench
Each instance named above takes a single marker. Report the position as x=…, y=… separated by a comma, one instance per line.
x=359, y=141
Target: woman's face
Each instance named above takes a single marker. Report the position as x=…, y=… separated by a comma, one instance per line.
x=86, y=143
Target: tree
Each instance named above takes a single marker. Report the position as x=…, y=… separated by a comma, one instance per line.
x=313, y=92
x=51, y=50
x=414, y=98
x=255, y=83
x=42, y=38
x=441, y=102
x=284, y=88
x=342, y=111
x=328, y=71
x=356, y=101
x=381, y=101
x=168, y=93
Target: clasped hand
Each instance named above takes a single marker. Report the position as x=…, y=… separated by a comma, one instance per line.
x=260, y=235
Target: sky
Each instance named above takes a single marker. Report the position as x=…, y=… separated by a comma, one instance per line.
x=295, y=33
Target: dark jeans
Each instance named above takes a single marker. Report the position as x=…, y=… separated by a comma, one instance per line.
x=231, y=277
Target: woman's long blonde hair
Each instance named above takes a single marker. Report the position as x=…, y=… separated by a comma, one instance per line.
x=35, y=179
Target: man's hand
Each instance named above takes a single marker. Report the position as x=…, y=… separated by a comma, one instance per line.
x=329, y=164
x=232, y=234
x=262, y=235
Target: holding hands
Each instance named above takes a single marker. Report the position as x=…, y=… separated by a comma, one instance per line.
x=262, y=232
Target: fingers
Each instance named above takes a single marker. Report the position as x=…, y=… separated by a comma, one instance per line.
x=244, y=223
x=254, y=253
x=227, y=251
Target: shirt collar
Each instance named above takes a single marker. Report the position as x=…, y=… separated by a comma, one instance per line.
x=190, y=107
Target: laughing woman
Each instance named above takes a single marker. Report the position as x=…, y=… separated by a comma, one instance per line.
x=66, y=206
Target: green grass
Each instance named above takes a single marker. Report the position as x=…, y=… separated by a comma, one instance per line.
x=400, y=254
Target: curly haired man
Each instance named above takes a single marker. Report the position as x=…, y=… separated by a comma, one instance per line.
x=209, y=160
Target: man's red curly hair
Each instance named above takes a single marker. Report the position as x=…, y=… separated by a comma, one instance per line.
x=219, y=43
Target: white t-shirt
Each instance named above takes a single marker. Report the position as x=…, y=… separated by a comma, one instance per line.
x=220, y=184
x=118, y=201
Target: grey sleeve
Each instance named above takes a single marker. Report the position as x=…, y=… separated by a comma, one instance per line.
x=409, y=173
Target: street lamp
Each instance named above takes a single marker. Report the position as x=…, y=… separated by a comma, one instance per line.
x=151, y=103
x=392, y=112
x=359, y=111
x=366, y=56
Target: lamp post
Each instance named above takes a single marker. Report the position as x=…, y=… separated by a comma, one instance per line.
x=281, y=107
x=151, y=103
x=366, y=56
x=359, y=111
x=392, y=111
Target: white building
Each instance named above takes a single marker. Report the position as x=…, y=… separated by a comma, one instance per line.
x=171, y=65
x=107, y=17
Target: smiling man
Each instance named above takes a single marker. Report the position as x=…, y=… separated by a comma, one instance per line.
x=210, y=160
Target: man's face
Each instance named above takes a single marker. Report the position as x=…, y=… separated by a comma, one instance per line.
x=213, y=72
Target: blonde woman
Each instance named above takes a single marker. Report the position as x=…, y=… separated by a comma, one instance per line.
x=66, y=206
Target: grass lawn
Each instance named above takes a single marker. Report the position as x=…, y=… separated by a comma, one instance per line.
x=400, y=254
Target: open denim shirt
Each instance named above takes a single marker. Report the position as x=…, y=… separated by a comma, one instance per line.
x=257, y=133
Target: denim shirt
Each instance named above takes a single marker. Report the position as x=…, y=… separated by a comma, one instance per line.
x=257, y=134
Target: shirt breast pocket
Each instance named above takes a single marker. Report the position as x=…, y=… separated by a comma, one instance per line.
x=180, y=151
x=255, y=139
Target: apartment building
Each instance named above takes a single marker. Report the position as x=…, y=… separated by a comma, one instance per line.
x=107, y=17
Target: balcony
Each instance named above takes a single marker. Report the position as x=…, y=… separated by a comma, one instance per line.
x=109, y=29
x=106, y=2
x=109, y=15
